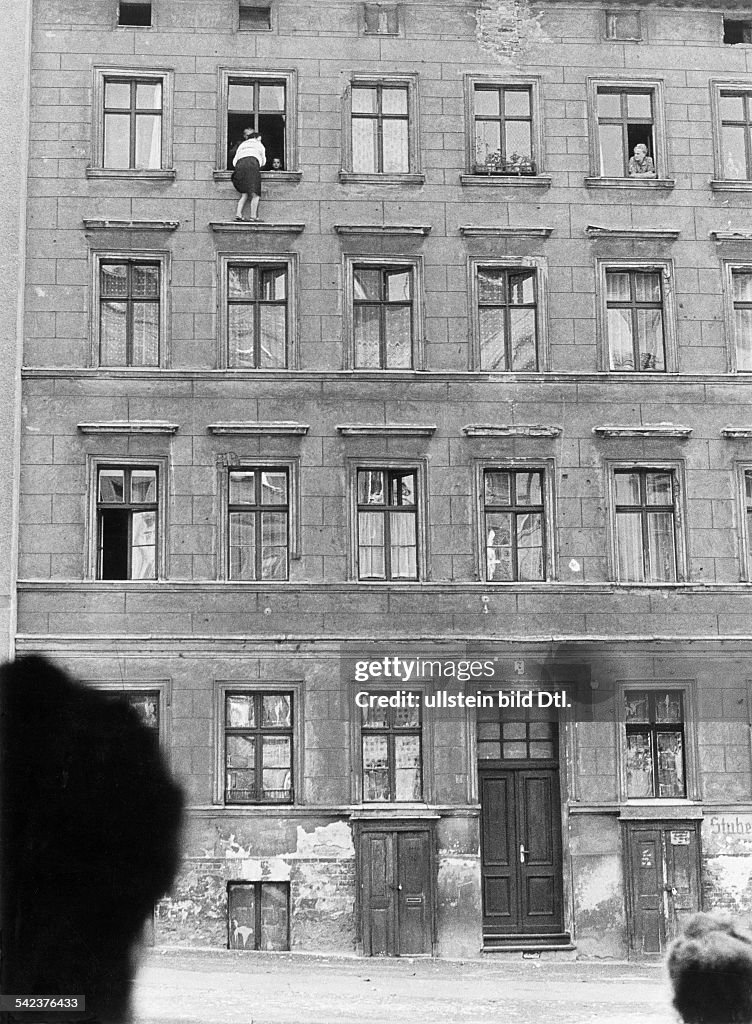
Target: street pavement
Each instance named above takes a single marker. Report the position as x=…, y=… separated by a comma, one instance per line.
x=236, y=987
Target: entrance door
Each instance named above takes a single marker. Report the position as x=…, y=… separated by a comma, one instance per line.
x=395, y=888
x=521, y=853
x=663, y=871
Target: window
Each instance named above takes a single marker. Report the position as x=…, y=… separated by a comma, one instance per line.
x=380, y=129
x=265, y=103
x=129, y=299
x=136, y=14
x=383, y=317
x=258, y=915
x=259, y=524
x=132, y=123
x=623, y=25
x=736, y=31
x=514, y=525
x=626, y=119
x=146, y=705
x=746, y=482
x=254, y=17
x=257, y=326
x=380, y=20
x=387, y=524
x=655, y=750
x=735, y=120
x=507, y=318
x=533, y=737
x=645, y=512
x=503, y=129
x=391, y=753
x=127, y=521
x=258, y=747
x=634, y=312
x=741, y=299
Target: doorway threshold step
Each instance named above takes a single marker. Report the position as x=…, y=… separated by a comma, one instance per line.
x=561, y=943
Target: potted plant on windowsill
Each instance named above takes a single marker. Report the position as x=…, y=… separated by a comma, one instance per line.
x=497, y=165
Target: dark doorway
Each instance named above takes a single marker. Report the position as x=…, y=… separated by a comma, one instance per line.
x=395, y=875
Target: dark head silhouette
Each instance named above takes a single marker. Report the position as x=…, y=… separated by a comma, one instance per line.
x=710, y=966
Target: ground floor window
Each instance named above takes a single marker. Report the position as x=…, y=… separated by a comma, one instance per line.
x=258, y=915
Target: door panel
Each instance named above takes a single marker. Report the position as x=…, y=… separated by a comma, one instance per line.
x=396, y=892
x=498, y=831
x=378, y=938
x=540, y=837
x=413, y=860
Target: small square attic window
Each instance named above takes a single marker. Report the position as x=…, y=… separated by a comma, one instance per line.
x=254, y=18
x=624, y=25
x=381, y=20
x=135, y=13
x=736, y=30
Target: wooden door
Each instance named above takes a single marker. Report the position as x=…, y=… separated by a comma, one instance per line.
x=396, y=892
x=521, y=852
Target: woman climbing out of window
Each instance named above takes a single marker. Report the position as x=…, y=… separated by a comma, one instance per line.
x=248, y=160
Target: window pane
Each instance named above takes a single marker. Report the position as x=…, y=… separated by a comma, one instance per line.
x=528, y=488
x=148, y=96
x=492, y=346
x=497, y=487
x=620, y=342
x=241, y=786
x=240, y=97
x=517, y=140
x=668, y=706
x=407, y=768
x=523, y=340
x=242, y=546
x=242, y=484
x=403, y=489
x=113, y=320
x=394, y=101
x=396, y=150
x=670, y=764
x=743, y=338
x=241, y=751
x=144, y=281
x=145, y=334
x=742, y=282
x=273, y=336
x=650, y=339
x=407, y=718
x=117, y=95
x=367, y=284
x=731, y=107
x=371, y=487
x=530, y=547
x=143, y=546
x=517, y=102
x=111, y=485
x=627, y=488
x=240, y=711
x=147, y=708
x=748, y=485
x=240, y=282
x=275, y=751
x=541, y=730
x=637, y=707
x=611, y=142
x=276, y=710
x=366, y=331
x=514, y=751
x=375, y=768
x=488, y=730
x=659, y=488
x=499, y=565
x=274, y=488
x=399, y=285
x=491, y=285
x=403, y=545
x=113, y=278
x=489, y=750
x=148, y=141
x=116, y=140
x=487, y=140
x=375, y=718
x=639, y=106
x=617, y=287
x=274, y=545
x=364, y=145
x=609, y=104
x=273, y=284
x=630, y=566
x=639, y=765
x=542, y=750
x=240, y=336
x=487, y=101
x=522, y=289
x=271, y=97
x=371, y=554
x=364, y=99
x=398, y=327
x=143, y=485
x=662, y=547
x=647, y=287
x=733, y=152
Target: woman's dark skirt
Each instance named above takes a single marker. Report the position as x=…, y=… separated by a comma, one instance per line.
x=247, y=176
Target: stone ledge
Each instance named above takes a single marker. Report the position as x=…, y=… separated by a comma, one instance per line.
x=659, y=183
x=386, y=429
x=165, y=174
x=129, y=427
x=639, y=234
x=644, y=430
x=502, y=231
x=511, y=430
x=731, y=236
x=257, y=227
x=252, y=429
x=131, y=225
x=406, y=178
x=504, y=180
x=270, y=177
x=736, y=433
x=730, y=185
x=382, y=229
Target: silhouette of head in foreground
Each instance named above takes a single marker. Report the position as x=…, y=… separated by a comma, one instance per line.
x=710, y=966
x=90, y=826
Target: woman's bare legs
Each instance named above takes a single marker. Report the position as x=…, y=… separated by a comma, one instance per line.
x=254, y=207
x=241, y=205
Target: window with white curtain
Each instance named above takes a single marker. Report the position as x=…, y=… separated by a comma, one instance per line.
x=645, y=511
x=387, y=524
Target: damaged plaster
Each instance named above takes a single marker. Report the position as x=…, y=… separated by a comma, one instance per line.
x=509, y=30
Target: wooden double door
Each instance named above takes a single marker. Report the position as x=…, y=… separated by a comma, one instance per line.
x=521, y=854
x=396, y=892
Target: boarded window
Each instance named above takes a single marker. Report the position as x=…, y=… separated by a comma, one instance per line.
x=258, y=915
x=254, y=19
x=381, y=20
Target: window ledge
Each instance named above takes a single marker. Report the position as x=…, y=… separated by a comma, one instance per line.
x=504, y=180
x=730, y=185
x=398, y=812
x=355, y=178
x=257, y=227
x=129, y=427
x=638, y=234
x=502, y=231
x=736, y=433
x=382, y=229
x=644, y=430
x=659, y=183
x=386, y=429
x=511, y=430
x=252, y=429
x=270, y=176
x=731, y=236
x=166, y=174
x=131, y=225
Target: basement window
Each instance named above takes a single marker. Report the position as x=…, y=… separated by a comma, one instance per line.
x=254, y=18
x=258, y=915
x=134, y=13
x=737, y=31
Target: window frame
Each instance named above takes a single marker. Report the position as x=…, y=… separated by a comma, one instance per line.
x=415, y=264
x=222, y=688
x=516, y=465
x=391, y=732
x=94, y=464
x=163, y=259
x=292, y=466
x=257, y=509
x=145, y=3
x=414, y=173
x=535, y=263
x=259, y=732
x=162, y=687
x=744, y=510
x=226, y=75
x=291, y=262
x=612, y=13
x=728, y=268
x=258, y=886
x=691, y=766
x=660, y=156
x=419, y=467
x=676, y=468
x=533, y=85
x=263, y=4
x=166, y=77
x=666, y=269
x=397, y=7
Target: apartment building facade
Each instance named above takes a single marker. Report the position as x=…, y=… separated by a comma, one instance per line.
x=474, y=389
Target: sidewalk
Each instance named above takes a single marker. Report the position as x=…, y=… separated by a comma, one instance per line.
x=228, y=987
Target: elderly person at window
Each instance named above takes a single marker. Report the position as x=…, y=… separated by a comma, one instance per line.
x=710, y=966
x=249, y=158
x=641, y=165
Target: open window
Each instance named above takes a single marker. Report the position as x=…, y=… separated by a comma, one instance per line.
x=737, y=30
x=263, y=102
x=134, y=13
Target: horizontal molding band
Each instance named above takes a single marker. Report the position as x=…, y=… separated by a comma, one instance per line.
x=386, y=429
x=511, y=430
x=257, y=227
x=382, y=229
x=638, y=234
x=674, y=430
x=252, y=429
x=131, y=225
x=129, y=427
x=503, y=231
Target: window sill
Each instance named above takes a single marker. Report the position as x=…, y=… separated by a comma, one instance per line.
x=730, y=185
x=270, y=176
x=507, y=180
x=166, y=174
x=354, y=178
x=659, y=183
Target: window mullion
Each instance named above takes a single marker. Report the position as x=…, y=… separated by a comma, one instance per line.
x=391, y=757
x=132, y=138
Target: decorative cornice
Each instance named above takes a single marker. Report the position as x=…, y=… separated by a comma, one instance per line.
x=593, y=231
x=731, y=236
x=386, y=429
x=129, y=427
x=382, y=229
x=644, y=430
x=511, y=430
x=130, y=225
x=736, y=433
x=252, y=429
x=502, y=231
x=257, y=227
